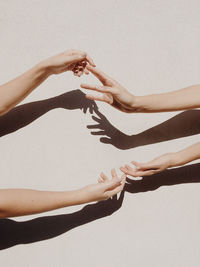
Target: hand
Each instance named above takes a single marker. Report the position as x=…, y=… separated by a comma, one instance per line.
x=73, y=60
x=112, y=92
x=110, y=134
x=105, y=188
x=154, y=166
x=74, y=100
x=103, y=208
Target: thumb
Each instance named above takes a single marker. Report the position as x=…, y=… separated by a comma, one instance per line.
x=137, y=165
x=142, y=166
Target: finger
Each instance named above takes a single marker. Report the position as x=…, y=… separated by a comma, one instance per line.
x=118, y=188
x=99, y=133
x=103, y=176
x=101, y=116
x=136, y=164
x=121, y=198
x=106, y=140
x=86, y=71
x=91, y=109
x=128, y=167
x=130, y=172
x=90, y=60
x=80, y=68
x=113, y=173
x=83, y=63
x=75, y=72
x=85, y=56
x=78, y=73
x=102, y=98
x=99, y=74
x=97, y=88
x=100, y=181
x=96, y=126
x=143, y=166
x=137, y=173
x=96, y=119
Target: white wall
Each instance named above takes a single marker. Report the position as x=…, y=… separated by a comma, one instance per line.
x=148, y=46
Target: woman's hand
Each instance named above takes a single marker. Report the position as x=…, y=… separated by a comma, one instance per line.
x=154, y=166
x=105, y=189
x=112, y=92
x=73, y=60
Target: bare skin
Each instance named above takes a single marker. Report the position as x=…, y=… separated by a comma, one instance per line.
x=13, y=92
x=163, y=162
x=114, y=94
x=19, y=202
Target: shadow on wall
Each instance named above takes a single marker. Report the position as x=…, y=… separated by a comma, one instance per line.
x=23, y=115
x=182, y=175
x=14, y=233
x=184, y=124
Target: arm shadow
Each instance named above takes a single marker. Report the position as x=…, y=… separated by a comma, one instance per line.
x=14, y=233
x=184, y=124
x=181, y=175
x=23, y=115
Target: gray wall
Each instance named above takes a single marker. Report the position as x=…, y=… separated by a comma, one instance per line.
x=149, y=47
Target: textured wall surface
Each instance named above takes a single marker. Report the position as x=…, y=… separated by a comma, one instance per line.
x=149, y=47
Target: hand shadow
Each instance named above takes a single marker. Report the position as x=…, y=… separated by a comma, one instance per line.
x=184, y=124
x=182, y=175
x=25, y=114
x=14, y=233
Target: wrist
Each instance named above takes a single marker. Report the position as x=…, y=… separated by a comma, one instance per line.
x=85, y=194
x=44, y=68
x=136, y=104
x=176, y=159
x=79, y=196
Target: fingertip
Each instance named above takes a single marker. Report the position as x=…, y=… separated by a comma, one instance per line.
x=90, y=97
x=102, y=174
x=121, y=168
x=112, y=170
x=82, y=85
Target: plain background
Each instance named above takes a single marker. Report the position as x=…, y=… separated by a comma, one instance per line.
x=149, y=47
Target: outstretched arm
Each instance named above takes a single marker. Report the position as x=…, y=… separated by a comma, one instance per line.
x=163, y=162
x=117, y=96
x=16, y=90
x=19, y=202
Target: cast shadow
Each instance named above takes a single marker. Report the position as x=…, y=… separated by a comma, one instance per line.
x=14, y=233
x=182, y=175
x=23, y=115
x=184, y=124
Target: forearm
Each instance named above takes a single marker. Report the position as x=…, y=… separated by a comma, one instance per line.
x=16, y=90
x=186, y=98
x=186, y=155
x=19, y=202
